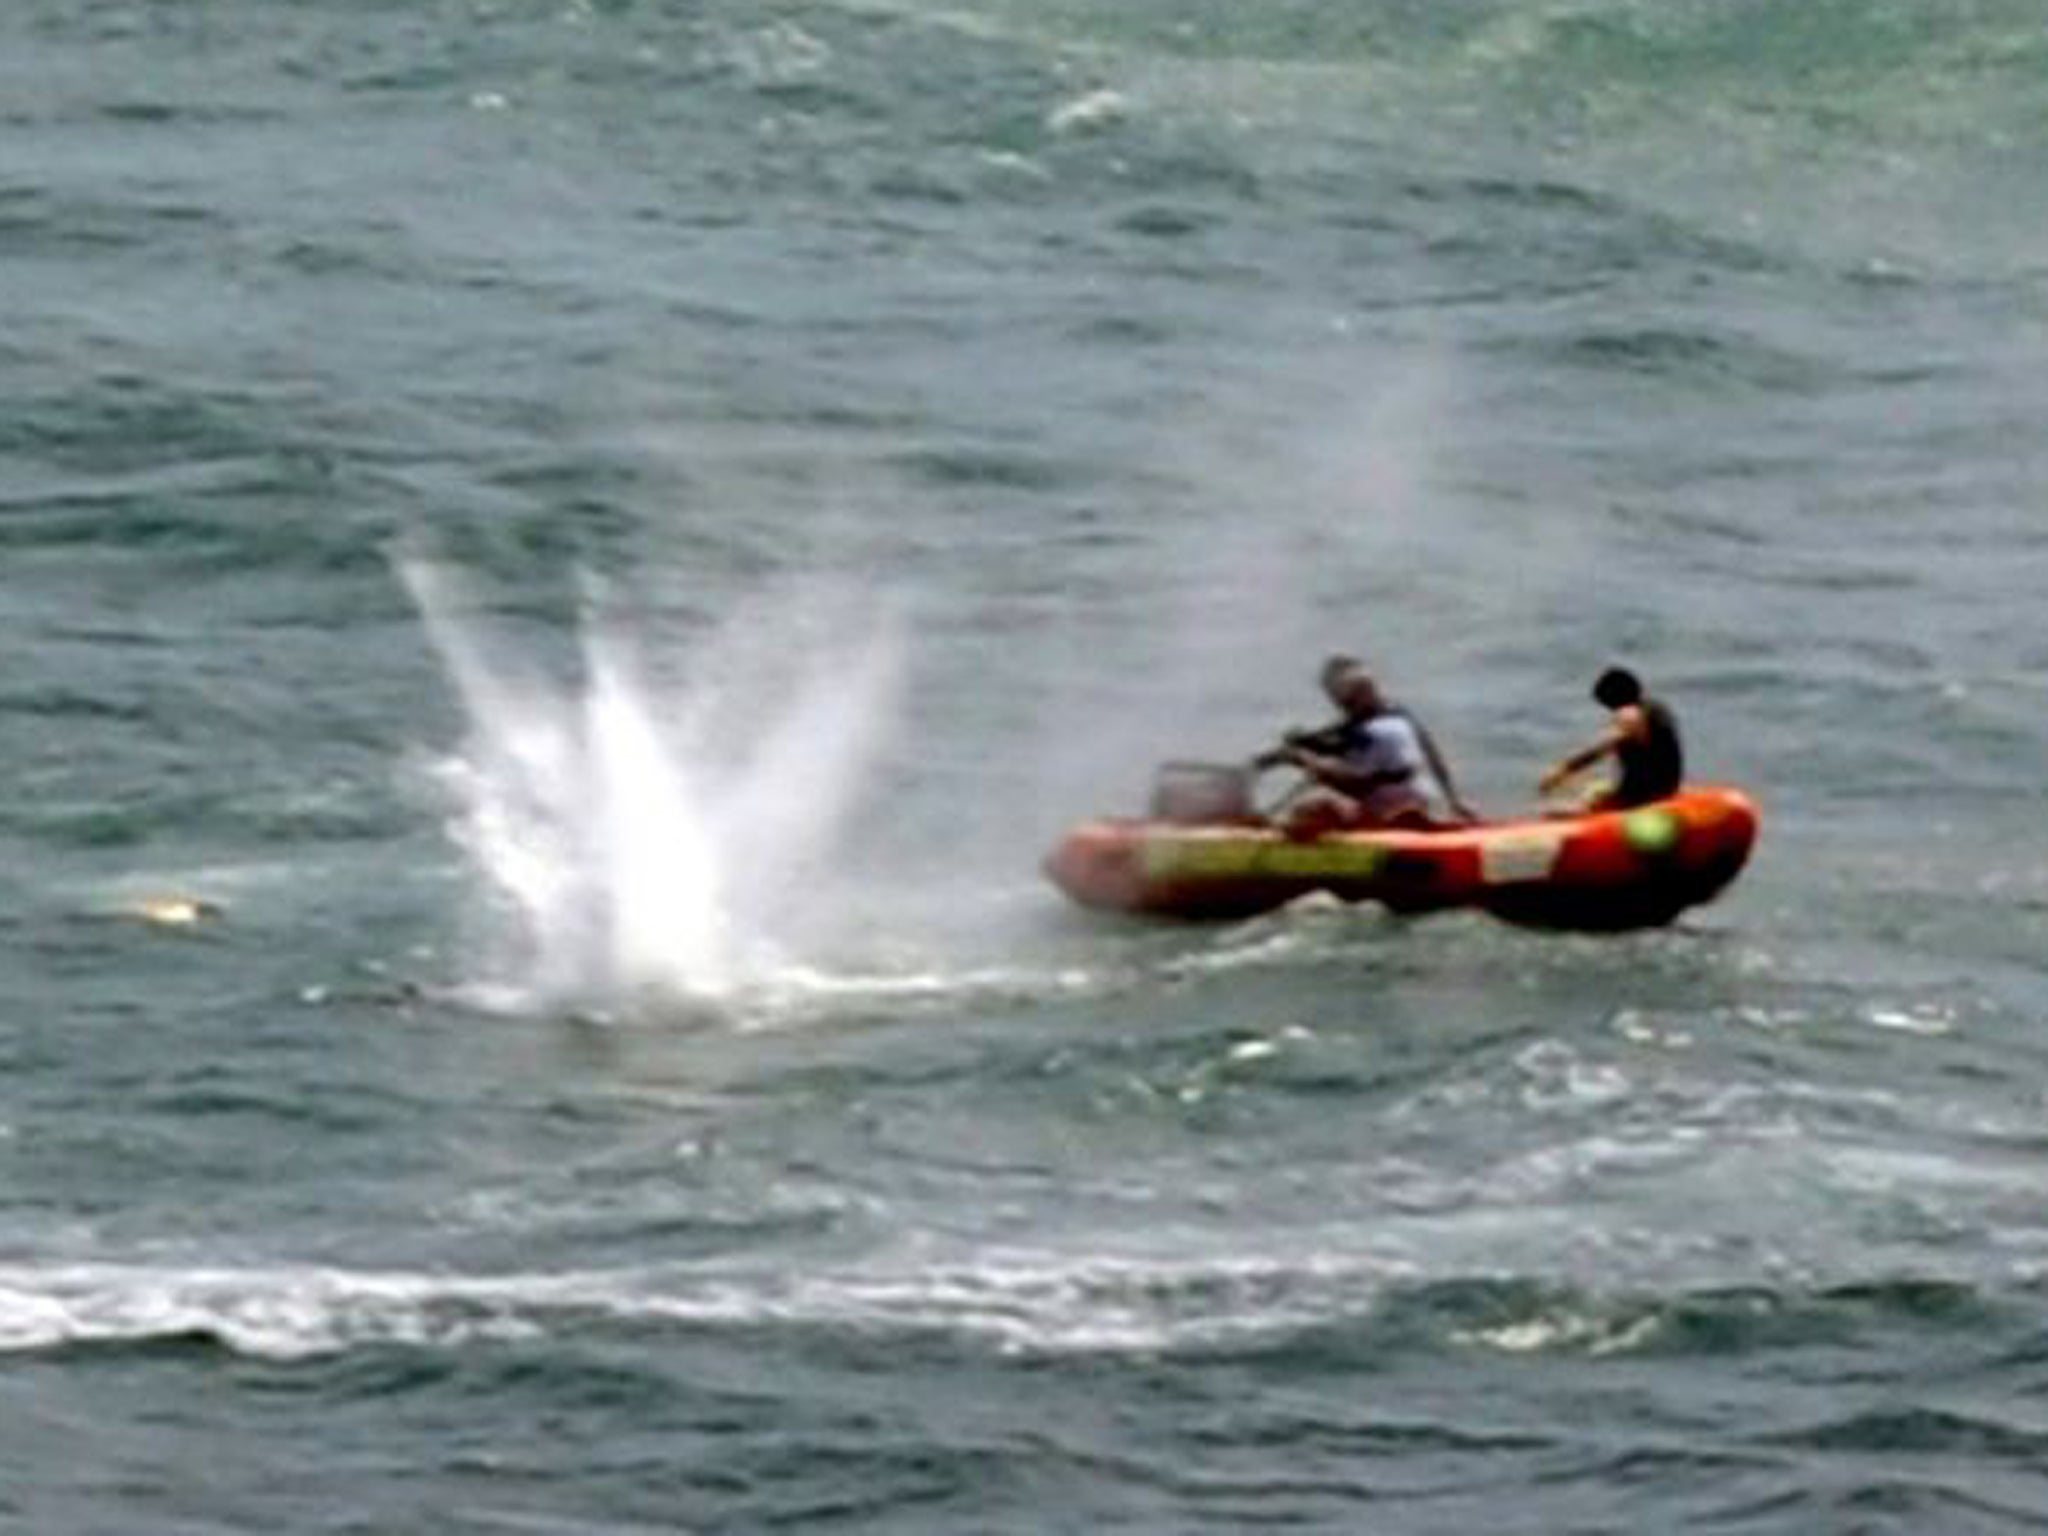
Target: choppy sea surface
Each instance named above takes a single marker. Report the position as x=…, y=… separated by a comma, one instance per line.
x=564, y=561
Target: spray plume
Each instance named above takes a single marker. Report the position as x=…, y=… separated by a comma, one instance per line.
x=659, y=842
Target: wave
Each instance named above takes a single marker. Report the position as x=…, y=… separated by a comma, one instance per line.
x=1361, y=1308
x=1862, y=133
x=1013, y=1303
x=1829, y=58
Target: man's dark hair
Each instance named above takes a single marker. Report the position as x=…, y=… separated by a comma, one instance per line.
x=1617, y=686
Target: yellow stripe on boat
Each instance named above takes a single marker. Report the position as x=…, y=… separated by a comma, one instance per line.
x=1236, y=854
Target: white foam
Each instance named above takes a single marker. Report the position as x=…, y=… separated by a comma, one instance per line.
x=1011, y=1300
x=274, y=1313
x=1565, y=1330
x=1092, y=110
x=1919, y=1019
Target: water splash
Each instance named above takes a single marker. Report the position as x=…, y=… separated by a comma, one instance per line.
x=669, y=840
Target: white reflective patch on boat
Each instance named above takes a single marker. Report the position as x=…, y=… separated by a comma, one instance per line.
x=1512, y=860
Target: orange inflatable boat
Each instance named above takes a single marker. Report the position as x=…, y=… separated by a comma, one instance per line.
x=1603, y=870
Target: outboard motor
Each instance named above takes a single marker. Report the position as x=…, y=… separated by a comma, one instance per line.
x=1203, y=794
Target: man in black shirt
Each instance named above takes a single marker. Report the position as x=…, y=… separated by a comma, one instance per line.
x=1642, y=740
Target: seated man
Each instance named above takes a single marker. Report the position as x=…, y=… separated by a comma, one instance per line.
x=1642, y=740
x=1377, y=765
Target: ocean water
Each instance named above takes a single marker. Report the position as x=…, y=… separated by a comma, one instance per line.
x=593, y=545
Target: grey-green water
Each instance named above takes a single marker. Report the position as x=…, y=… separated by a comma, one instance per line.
x=605, y=539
